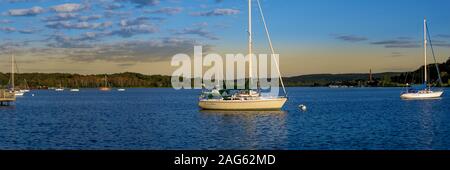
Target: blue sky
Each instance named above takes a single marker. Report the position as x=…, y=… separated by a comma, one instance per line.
x=312, y=36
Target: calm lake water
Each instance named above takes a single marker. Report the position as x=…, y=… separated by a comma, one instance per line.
x=356, y=118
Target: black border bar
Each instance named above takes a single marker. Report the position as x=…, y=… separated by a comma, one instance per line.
x=166, y=159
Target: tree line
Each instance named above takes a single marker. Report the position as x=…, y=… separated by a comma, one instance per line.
x=129, y=79
x=46, y=80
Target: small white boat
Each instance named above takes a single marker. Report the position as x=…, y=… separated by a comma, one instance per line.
x=59, y=89
x=120, y=89
x=74, y=90
x=24, y=91
x=18, y=93
x=424, y=91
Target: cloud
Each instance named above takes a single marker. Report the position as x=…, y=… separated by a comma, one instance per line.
x=68, y=7
x=132, y=30
x=198, y=30
x=28, y=31
x=89, y=18
x=443, y=35
x=78, y=25
x=131, y=27
x=217, y=12
x=442, y=44
x=398, y=43
x=112, y=13
x=396, y=54
x=6, y=47
x=166, y=10
x=16, y=1
x=26, y=12
x=12, y=29
x=112, y=6
x=8, y=29
x=350, y=38
x=126, y=64
x=61, y=17
x=136, y=21
x=60, y=40
x=5, y=21
x=136, y=51
x=142, y=3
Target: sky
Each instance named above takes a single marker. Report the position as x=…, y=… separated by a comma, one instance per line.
x=311, y=36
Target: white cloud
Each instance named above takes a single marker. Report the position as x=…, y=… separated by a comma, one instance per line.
x=69, y=7
x=26, y=12
x=217, y=12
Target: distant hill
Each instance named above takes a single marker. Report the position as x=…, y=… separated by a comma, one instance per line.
x=379, y=79
x=128, y=79
x=335, y=79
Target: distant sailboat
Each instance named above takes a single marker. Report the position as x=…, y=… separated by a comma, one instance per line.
x=120, y=89
x=13, y=88
x=247, y=99
x=25, y=88
x=105, y=87
x=60, y=88
x=75, y=89
x=423, y=91
x=8, y=95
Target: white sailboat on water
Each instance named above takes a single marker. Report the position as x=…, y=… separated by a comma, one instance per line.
x=60, y=88
x=245, y=99
x=424, y=91
x=13, y=89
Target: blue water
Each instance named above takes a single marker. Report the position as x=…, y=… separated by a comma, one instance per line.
x=336, y=119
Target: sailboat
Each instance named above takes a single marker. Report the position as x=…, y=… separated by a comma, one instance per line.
x=105, y=87
x=13, y=89
x=247, y=99
x=60, y=88
x=8, y=95
x=75, y=89
x=423, y=91
x=27, y=88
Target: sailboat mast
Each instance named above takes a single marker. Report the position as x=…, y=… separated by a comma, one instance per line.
x=12, y=71
x=425, y=49
x=250, y=42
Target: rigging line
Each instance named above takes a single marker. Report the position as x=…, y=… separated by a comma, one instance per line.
x=406, y=77
x=432, y=51
x=271, y=47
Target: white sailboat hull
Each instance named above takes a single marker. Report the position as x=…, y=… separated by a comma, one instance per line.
x=427, y=95
x=260, y=104
x=18, y=93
